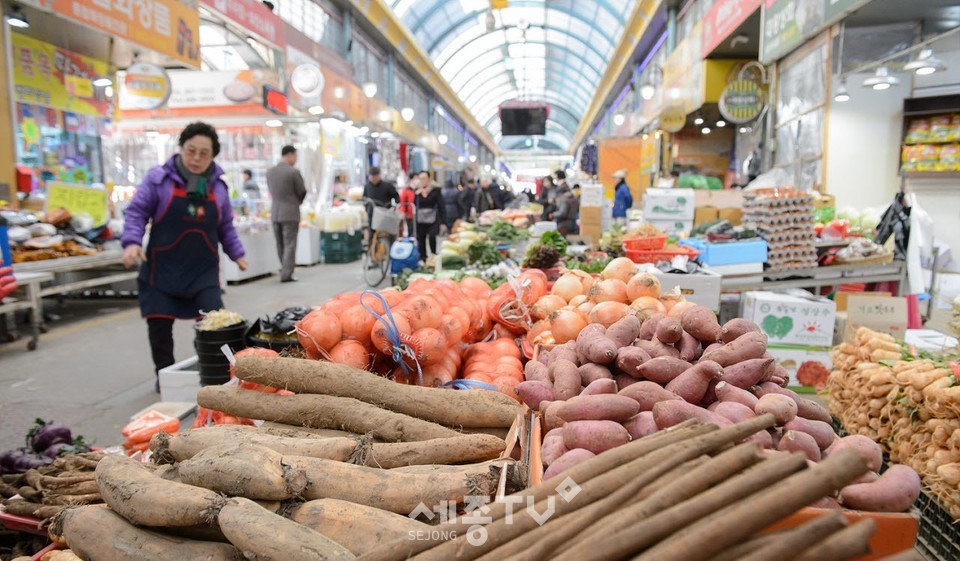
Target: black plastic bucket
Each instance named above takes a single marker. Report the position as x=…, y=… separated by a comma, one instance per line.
x=214, y=366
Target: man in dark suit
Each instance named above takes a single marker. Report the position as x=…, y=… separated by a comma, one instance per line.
x=287, y=191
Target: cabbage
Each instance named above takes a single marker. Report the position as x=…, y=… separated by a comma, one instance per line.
x=850, y=214
x=870, y=222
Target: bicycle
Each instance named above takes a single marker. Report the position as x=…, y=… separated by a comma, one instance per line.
x=384, y=227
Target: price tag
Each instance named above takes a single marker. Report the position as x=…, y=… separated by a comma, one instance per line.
x=78, y=199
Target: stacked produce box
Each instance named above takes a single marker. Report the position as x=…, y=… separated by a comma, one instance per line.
x=784, y=218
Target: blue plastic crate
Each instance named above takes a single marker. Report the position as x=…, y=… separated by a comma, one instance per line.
x=731, y=253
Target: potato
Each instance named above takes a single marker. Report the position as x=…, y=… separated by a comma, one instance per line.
x=534, y=392
x=641, y=425
x=552, y=447
x=751, y=345
x=781, y=407
x=616, y=408
x=689, y=347
x=662, y=369
x=701, y=322
x=602, y=386
x=866, y=447
x=692, y=383
x=732, y=411
x=748, y=372
x=590, y=373
x=796, y=441
x=629, y=360
x=566, y=379
x=649, y=327
x=896, y=491
x=648, y=393
x=656, y=349
x=737, y=327
x=669, y=331
x=729, y=392
x=536, y=371
x=567, y=461
x=670, y=413
x=595, y=436
x=625, y=330
x=820, y=431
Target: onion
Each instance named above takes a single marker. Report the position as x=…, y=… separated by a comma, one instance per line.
x=578, y=299
x=356, y=323
x=422, y=311
x=381, y=340
x=566, y=324
x=538, y=328
x=585, y=309
x=608, y=313
x=453, y=328
x=318, y=330
x=350, y=352
x=647, y=303
x=643, y=284
x=568, y=286
x=433, y=345
x=475, y=287
x=546, y=306
x=620, y=268
x=586, y=279
x=609, y=290
x=677, y=310
x=671, y=298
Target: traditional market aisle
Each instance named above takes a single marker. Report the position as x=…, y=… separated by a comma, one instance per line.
x=92, y=370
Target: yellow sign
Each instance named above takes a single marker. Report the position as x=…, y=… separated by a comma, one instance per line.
x=78, y=199
x=649, y=153
x=673, y=119
x=49, y=76
x=499, y=4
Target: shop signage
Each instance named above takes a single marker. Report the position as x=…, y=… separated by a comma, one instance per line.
x=683, y=73
x=673, y=119
x=307, y=80
x=48, y=76
x=741, y=101
x=78, y=199
x=252, y=16
x=191, y=89
x=274, y=100
x=723, y=19
x=168, y=27
x=649, y=151
x=786, y=23
x=145, y=86
x=836, y=8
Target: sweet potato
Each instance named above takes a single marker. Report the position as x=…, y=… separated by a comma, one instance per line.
x=566, y=379
x=567, y=351
x=692, y=383
x=567, y=461
x=737, y=327
x=820, y=431
x=796, y=441
x=729, y=392
x=662, y=369
x=625, y=330
x=781, y=407
x=701, y=322
x=896, y=490
x=244, y=470
x=185, y=445
x=669, y=331
x=689, y=347
x=552, y=447
x=670, y=413
x=94, y=532
x=533, y=392
x=750, y=345
x=648, y=393
x=590, y=331
x=146, y=500
x=615, y=408
x=600, y=387
x=649, y=327
x=748, y=373
x=624, y=381
x=656, y=349
x=590, y=373
x=546, y=358
x=595, y=436
x=261, y=534
x=782, y=382
x=641, y=425
x=599, y=350
x=629, y=360
x=551, y=417
x=733, y=411
x=806, y=408
x=356, y=527
x=866, y=447
x=536, y=371
x=763, y=438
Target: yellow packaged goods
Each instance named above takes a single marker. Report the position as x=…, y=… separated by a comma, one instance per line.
x=949, y=157
x=954, y=127
x=927, y=157
x=919, y=131
x=940, y=128
x=908, y=157
x=218, y=319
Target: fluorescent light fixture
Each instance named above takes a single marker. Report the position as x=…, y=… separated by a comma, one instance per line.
x=102, y=82
x=647, y=91
x=407, y=113
x=370, y=89
x=619, y=119
x=441, y=111
x=16, y=18
x=705, y=130
x=151, y=133
x=273, y=123
x=882, y=80
x=364, y=130
x=362, y=140
x=842, y=93
x=315, y=110
x=925, y=64
x=374, y=135
x=721, y=123
x=744, y=130
x=442, y=138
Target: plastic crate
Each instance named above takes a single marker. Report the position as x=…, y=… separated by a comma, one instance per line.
x=341, y=256
x=731, y=253
x=938, y=536
x=649, y=243
x=340, y=242
x=655, y=256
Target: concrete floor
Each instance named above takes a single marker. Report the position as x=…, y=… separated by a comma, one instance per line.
x=92, y=369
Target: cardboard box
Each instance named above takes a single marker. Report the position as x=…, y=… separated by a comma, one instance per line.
x=591, y=196
x=724, y=198
x=702, y=289
x=704, y=214
x=798, y=318
x=841, y=298
x=671, y=227
x=732, y=215
x=791, y=358
x=591, y=220
x=668, y=204
x=880, y=313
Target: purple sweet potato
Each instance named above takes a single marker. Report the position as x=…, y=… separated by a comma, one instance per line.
x=805, y=408
x=546, y=358
x=701, y=322
x=710, y=396
x=728, y=392
x=738, y=327
x=896, y=490
x=616, y=408
x=692, y=383
x=629, y=360
x=820, y=431
x=748, y=373
x=625, y=331
x=599, y=350
x=661, y=369
x=669, y=331
x=537, y=371
x=624, y=381
x=751, y=345
x=656, y=349
x=641, y=425
x=781, y=407
x=590, y=373
x=567, y=461
x=649, y=327
x=796, y=441
x=733, y=411
x=567, y=351
x=648, y=393
x=566, y=379
x=533, y=392
x=595, y=436
x=669, y=413
x=551, y=419
x=866, y=447
x=602, y=386
x=552, y=447
x=689, y=347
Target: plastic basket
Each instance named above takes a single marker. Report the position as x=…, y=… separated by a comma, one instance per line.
x=655, y=256
x=938, y=537
x=649, y=243
x=386, y=220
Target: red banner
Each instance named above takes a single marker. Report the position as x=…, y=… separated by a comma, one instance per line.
x=723, y=19
x=252, y=16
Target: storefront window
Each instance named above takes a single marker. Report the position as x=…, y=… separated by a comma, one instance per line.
x=59, y=145
x=318, y=21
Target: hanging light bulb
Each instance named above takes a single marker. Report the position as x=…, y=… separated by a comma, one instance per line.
x=647, y=91
x=705, y=130
x=619, y=119
x=882, y=80
x=370, y=89
x=407, y=113
x=721, y=123
x=698, y=120
x=842, y=93
x=925, y=64
x=442, y=138
x=16, y=18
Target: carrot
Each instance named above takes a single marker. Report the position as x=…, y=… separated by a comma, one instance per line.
x=356, y=527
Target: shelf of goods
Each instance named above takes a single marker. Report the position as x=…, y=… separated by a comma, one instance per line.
x=261, y=255
x=813, y=277
x=73, y=274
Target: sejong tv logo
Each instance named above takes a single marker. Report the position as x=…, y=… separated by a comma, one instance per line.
x=477, y=513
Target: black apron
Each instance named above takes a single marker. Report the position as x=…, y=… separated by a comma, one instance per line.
x=181, y=276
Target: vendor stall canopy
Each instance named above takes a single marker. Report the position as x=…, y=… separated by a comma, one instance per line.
x=543, y=51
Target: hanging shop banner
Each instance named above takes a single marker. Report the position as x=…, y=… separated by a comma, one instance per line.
x=742, y=101
x=252, y=16
x=673, y=119
x=786, y=24
x=683, y=73
x=145, y=86
x=48, y=76
x=723, y=19
x=78, y=200
x=649, y=153
x=192, y=89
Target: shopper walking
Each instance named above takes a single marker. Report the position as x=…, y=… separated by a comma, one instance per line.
x=622, y=198
x=251, y=189
x=188, y=205
x=547, y=198
x=288, y=192
x=408, y=200
x=430, y=215
x=451, y=204
x=568, y=210
x=468, y=201
x=488, y=197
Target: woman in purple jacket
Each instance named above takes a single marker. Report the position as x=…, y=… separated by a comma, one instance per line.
x=188, y=204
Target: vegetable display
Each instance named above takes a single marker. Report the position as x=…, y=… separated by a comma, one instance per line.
x=45, y=442
x=44, y=491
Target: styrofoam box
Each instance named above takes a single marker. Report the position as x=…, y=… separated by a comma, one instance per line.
x=671, y=227
x=181, y=381
x=702, y=288
x=788, y=319
x=669, y=204
x=791, y=358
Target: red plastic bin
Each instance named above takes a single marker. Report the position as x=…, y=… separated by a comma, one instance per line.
x=648, y=243
x=654, y=256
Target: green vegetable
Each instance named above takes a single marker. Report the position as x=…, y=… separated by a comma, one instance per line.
x=506, y=232
x=555, y=239
x=483, y=254
x=453, y=262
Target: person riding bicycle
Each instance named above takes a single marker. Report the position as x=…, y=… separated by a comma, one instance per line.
x=381, y=193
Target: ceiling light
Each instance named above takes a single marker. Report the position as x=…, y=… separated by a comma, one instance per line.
x=698, y=120
x=705, y=130
x=315, y=110
x=882, y=80
x=151, y=133
x=925, y=64
x=273, y=123
x=370, y=89
x=647, y=91
x=102, y=82
x=744, y=130
x=842, y=93
x=486, y=168
x=16, y=18
x=362, y=140
x=461, y=159
x=364, y=130
x=473, y=158
x=108, y=91
x=374, y=135
x=339, y=92
x=619, y=119
x=442, y=138
x=721, y=123
x=407, y=113
x=441, y=111
x=384, y=115
x=646, y=136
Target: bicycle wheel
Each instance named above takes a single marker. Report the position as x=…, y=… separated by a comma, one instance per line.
x=376, y=261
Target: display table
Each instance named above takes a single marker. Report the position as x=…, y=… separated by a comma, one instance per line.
x=817, y=277
x=70, y=274
x=308, y=246
x=261, y=254
x=30, y=286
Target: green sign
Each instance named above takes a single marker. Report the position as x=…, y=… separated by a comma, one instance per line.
x=741, y=101
x=787, y=23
